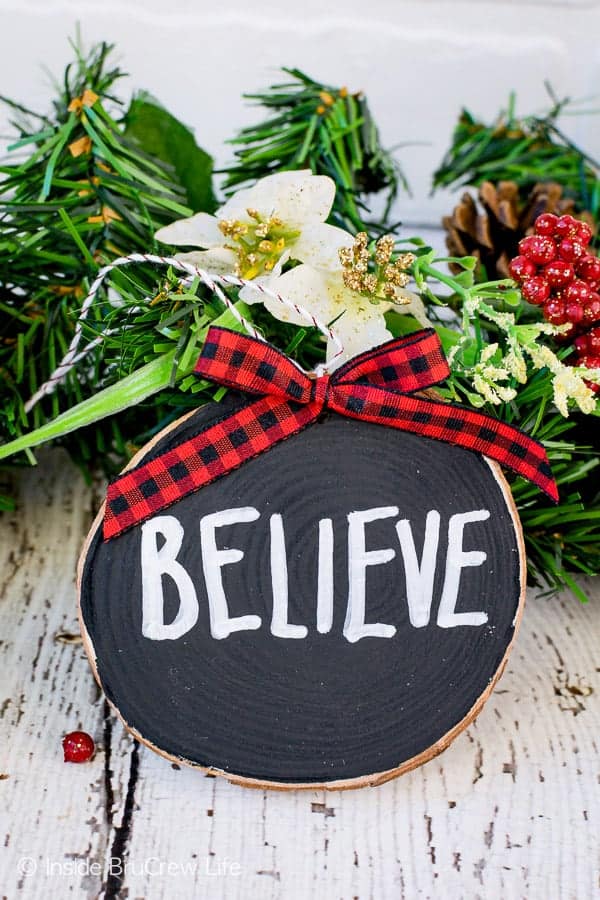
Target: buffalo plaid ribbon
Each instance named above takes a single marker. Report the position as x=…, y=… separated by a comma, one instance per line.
x=377, y=386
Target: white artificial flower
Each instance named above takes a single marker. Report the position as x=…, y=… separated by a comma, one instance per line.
x=357, y=321
x=258, y=229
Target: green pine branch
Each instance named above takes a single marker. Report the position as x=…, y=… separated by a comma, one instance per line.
x=526, y=150
x=82, y=185
x=328, y=130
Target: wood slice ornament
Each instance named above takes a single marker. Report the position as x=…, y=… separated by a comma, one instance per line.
x=327, y=610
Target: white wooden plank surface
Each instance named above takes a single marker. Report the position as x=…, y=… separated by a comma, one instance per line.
x=509, y=811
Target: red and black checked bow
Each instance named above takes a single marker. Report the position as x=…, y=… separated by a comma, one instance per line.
x=377, y=386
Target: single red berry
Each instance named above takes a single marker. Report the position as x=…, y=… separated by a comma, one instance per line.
x=571, y=249
x=521, y=268
x=558, y=273
x=584, y=233
x=588, y=267
x=591, y=309
x=78, y=747
x=538, y=248
x=577, y=291
x=581, y=345
x=546, y=223
x=591, y=362
x=567, y=334
x=593, y=341
x=555, y=311
x=574, y=312
x=535, y=290
x=566, y=227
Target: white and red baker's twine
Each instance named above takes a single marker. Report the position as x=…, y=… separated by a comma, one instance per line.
x=210, y=279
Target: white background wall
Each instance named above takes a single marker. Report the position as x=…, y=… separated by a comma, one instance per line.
x=417, y=60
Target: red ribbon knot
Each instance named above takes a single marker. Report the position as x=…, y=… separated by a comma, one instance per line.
x=320, y=391
x=379, y=386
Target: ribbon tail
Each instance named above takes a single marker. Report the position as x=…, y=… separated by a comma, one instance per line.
x=153, y=486
x=252, y=366
x=452, y=424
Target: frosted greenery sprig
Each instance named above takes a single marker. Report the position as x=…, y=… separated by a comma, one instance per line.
x=494, y=369
x=523, y=344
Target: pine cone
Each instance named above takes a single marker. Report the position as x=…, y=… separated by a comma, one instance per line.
x=492, y=229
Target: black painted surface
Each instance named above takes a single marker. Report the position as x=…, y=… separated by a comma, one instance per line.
x=318, y=708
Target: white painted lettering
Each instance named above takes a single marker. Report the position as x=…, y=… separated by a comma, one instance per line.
x=359, y=558
x=420, y=576
x=156, y=563
x=456, y=560
x=325, y=577
x=213, y=560
x=280, y=626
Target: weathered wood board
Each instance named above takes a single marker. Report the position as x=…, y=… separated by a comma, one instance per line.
x=510, y=810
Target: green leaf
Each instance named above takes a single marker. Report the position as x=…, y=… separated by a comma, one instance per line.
x=465, y=279
x=448, y=337
x=475, y=400
x=159, y=133
x=129, y=391
x=399, y=325
x=512, y=298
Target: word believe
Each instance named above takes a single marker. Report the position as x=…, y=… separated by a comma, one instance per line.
x=158, y=562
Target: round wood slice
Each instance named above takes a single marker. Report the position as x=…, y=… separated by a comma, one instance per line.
x=319, y=711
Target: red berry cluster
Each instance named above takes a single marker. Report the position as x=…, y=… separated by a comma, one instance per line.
x=556, y=271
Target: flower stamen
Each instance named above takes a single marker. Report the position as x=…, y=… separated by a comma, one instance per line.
x=376, y=274
x=258, y=244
